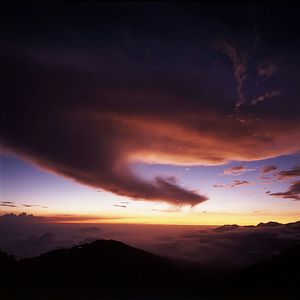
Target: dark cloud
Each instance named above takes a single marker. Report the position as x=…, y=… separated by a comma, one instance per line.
x=219, y=185
x=294, y=172
x=268, y=168
x=292, y=193
x=34, y=205
x=13, y=204
x=240, y=182
x=8, y=205
x=236, y=183
x=266, y=178
x=123, y=206
x=93, y=93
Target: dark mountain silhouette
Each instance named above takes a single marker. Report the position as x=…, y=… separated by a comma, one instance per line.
x=269, y=224
x=277, y=278
x=107, y=269
x=104, y=269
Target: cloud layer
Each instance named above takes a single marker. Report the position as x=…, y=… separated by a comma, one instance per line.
x=228, y=246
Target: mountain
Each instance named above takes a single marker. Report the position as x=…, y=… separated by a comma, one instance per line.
x=111, y=270
x=269, y=224
x=274, y=279
x=104, y=269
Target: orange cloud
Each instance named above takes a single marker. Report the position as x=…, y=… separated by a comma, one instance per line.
x=237, y=170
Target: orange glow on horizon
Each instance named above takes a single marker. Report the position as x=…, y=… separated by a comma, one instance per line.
x=177, y=218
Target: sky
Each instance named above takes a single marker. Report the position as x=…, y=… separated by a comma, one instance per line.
x=152, y=113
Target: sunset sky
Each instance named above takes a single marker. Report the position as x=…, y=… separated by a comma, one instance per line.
x=151, y=113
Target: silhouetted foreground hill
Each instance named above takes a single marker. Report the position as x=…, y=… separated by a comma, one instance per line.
x=104, y=269
x=277, y=278
x=108, y=269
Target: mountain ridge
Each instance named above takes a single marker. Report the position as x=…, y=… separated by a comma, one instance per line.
x=109, y=269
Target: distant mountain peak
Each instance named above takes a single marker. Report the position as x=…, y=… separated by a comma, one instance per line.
x=269, y=224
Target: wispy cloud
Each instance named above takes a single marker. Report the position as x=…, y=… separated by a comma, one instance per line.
x=117, y=205
x=8, y=204
x=286, y=174
x=13, y=204
x=238, y=170
x=34, y=205
x=240, y=182
x=239, y=62
x=270, y=94
x=241, y=58
x=268, y=168
x=24, y=218
x=235, y=183
x=219, y=185
x=292, y=193
x=266, y=69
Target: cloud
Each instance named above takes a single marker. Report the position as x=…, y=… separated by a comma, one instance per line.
x=24, y=218
x=268, y=168
x=102, y=107
x=236, y=183
x=123, y=206
x=294, y=172
x=270, y=94
x=292, y=193
x=34, y=205
x=239, y=62
x=13, y=204
x=219, y=185
x=266, y=69
x=240, y=58
x=45, y=240
x=238, y=170
x=7, y=204
x=21, y=218
x=266, y=178
x=231, y=246
x=27, y=235
x=240, y=182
